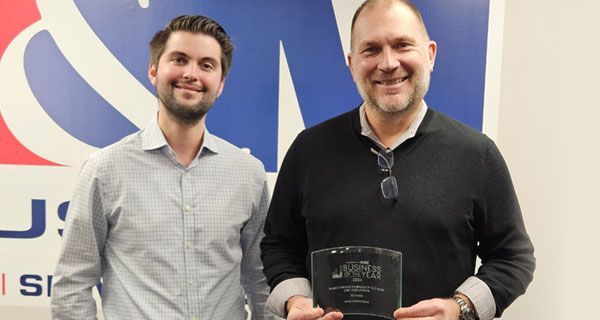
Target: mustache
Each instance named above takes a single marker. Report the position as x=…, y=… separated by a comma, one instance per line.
x=188, y=86
x=390, y=77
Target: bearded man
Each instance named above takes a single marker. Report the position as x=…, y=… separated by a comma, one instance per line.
x=169, y=218
x=396, y=174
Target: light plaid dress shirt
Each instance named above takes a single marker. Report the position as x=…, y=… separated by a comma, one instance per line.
x=168, y=242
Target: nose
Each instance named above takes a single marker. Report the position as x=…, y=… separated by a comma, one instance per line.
x=190, y=73
x=388, y=60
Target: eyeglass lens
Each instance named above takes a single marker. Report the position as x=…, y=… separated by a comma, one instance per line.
x=389, y=185
x=385, y=159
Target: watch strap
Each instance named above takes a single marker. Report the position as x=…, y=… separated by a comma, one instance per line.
x=466, y=313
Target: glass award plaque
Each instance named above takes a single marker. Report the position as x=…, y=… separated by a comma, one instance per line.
x=361, y=282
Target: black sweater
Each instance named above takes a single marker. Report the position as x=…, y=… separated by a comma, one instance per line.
x=456, y=201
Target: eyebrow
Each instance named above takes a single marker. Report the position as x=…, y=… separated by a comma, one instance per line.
x=377, y=43
x=183, y=54
x=368, y=44
x=176, y=54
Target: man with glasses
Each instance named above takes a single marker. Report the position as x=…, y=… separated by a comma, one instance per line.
x=394, y=173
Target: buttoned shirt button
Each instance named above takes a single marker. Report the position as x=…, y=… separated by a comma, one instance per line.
x=188, y=244
x=190, y=283
x=187, y=208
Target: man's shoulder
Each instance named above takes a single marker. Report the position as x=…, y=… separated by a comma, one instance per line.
x=340, y=121
x=239, y=156
x=122, y=148
x=334, y=128
x=452, y=129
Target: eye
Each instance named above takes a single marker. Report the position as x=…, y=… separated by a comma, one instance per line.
x=402, y=45
x=179, y=60
x=207, y=66
x=369, y=50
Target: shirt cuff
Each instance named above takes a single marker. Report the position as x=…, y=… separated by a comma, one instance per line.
x=481, y=296
x=285, y=290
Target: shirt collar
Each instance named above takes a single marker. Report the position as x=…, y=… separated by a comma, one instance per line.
x=210, y=142
x=153, y=138
x=368, y=132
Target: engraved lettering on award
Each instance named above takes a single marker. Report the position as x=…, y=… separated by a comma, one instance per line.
x=361, y=282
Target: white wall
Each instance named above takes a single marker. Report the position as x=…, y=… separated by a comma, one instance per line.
x=548, y=134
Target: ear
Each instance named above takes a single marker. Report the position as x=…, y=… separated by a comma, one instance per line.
x=349, y=57
x=431, y=53
x=221, y=86
x=152, y=73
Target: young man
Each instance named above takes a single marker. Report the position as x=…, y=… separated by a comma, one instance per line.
x=169, y=218
x=442, y=194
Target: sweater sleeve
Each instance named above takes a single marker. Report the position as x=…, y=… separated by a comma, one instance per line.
x=284, y=246
x=504, y=247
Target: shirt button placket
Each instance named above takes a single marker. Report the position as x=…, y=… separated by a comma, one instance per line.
x=188, y=238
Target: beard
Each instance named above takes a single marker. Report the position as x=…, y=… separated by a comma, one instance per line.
x=182, y=113
x=391, y=105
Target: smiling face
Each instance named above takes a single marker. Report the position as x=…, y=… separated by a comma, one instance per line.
x=188, y=77
x=391, y=58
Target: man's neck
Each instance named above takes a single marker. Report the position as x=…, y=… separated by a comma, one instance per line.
x=389, y=127
x=184, y=139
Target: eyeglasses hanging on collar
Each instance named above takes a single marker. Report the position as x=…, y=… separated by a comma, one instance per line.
x=389, y=185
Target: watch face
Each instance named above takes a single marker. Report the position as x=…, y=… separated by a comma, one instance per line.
x=468, y=315
x=465, y=312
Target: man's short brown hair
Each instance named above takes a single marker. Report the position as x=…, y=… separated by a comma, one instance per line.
x=372, y=3
x=194, y=24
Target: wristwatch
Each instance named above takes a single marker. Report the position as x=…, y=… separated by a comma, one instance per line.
x=466, y=313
